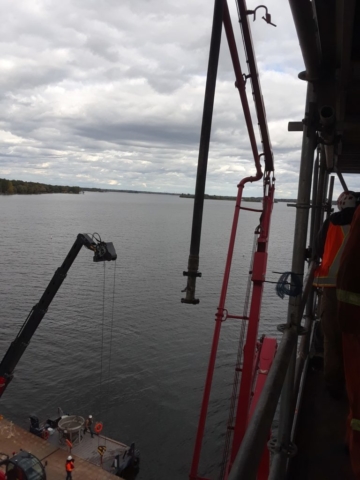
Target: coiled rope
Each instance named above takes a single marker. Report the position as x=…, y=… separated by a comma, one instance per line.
x=292, y=288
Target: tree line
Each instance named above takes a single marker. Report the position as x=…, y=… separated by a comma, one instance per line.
x=11, y=187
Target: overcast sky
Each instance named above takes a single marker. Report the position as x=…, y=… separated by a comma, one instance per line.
x=109, y=93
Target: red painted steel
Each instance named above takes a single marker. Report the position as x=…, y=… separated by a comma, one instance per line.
x=266, y=357
x=259, y=266
x=240, y=82
x=247, y=376
x=218, y=322
x=254, y=77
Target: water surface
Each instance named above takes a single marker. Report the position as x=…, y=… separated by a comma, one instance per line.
x=150, y=392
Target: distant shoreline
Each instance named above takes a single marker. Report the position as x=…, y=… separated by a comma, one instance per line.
x=19, y=187
x=224, y=197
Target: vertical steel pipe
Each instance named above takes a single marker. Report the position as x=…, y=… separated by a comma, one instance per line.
x=305, y=339
x=318, y=203
x=321, y=192
x=329, y=200
x=279, y=463
x=313, y=200
x=308, y=38
x=193, y=262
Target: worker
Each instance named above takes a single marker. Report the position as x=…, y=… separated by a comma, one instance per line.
x=348, y=295
x=69, y=467
x=329, y=246
x=88, y=426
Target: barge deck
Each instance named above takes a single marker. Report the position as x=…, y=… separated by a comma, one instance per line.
x=87, y=460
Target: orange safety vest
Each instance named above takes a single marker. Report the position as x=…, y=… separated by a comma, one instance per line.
x=348, y=280
x=70, y=466
x=325, y=274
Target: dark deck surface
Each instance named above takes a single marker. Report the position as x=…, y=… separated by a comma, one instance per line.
x=88, y=449
x=320, y=434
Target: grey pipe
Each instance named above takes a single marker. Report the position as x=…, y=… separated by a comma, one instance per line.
x=307, y=33
x=296, y=304
x=327, y=120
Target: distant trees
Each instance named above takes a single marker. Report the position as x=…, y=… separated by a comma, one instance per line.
x=10, y=187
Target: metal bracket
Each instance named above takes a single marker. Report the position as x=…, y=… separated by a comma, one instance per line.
x=222, y=316
x=282, y=327
x=195, y=301
x=299, y=205
x=245, y=77
x=267, y=17
x=192, y=274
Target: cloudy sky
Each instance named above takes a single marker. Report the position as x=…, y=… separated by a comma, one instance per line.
x=109, y=93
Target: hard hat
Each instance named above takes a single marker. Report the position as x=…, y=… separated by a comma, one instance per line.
x=69, y=457
x=346, y=200
x=90, y=416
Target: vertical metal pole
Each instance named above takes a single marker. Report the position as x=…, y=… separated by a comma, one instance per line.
x=329, y=202
x=313, y=200
x=321, y=193
x=309, y=315
x=279, y=463
x=193, y=262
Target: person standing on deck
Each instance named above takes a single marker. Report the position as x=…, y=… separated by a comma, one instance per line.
x=348, y=295
x=88, y=426
x=329, y=246
x=69, y=467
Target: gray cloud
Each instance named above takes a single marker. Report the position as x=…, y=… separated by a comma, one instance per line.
x=109, y=93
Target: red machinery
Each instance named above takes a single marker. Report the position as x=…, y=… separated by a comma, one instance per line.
x=254, y=357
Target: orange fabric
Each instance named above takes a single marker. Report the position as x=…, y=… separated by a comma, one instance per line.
x=325, y=275
x=351, y=351
x=348, y=278
x=70, y=466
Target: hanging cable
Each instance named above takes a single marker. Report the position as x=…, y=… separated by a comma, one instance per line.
x=110, y=346
x=102, y=347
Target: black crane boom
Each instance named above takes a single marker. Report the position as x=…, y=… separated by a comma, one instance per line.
x=102, y=252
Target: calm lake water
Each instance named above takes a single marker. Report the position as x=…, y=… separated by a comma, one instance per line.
x=152, y=390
